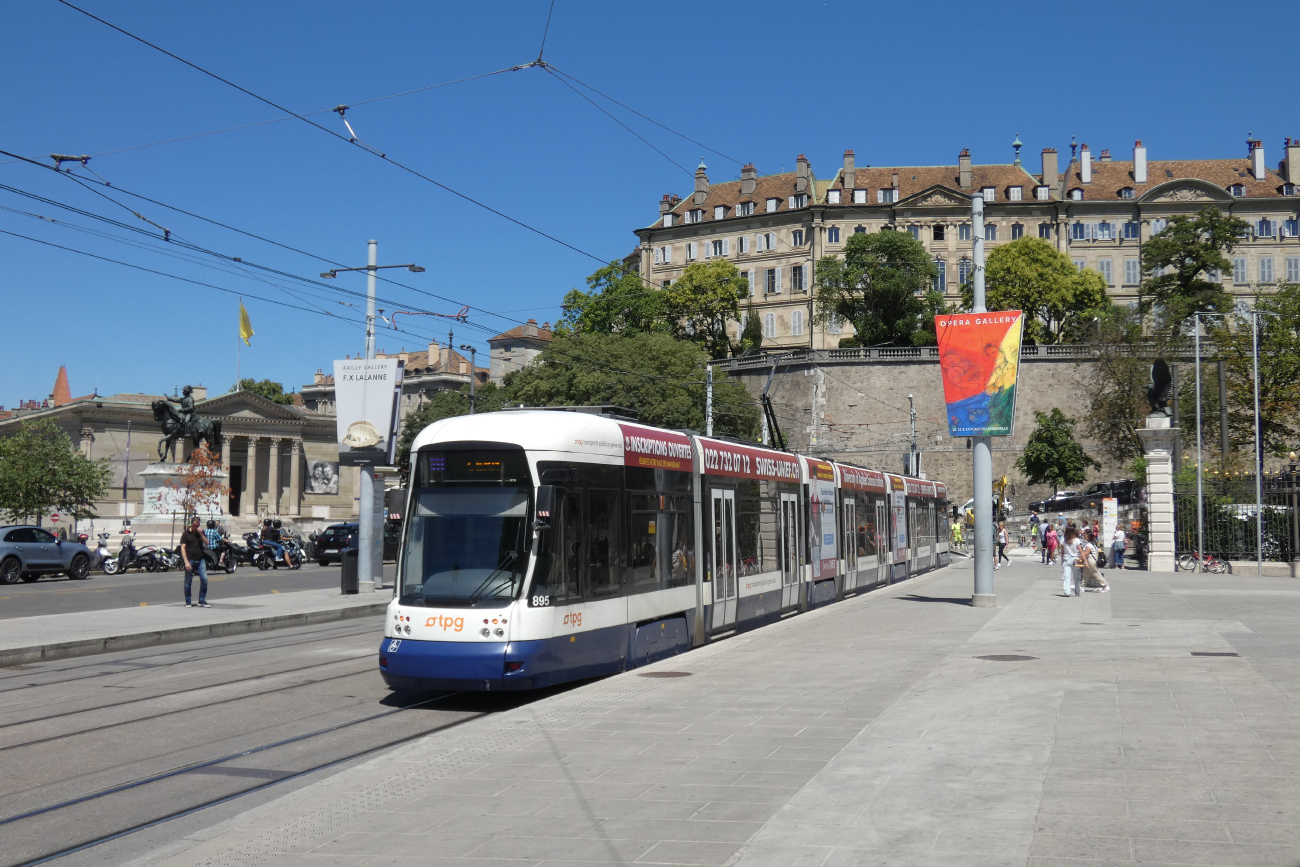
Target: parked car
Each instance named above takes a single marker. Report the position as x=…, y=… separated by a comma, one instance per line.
x=1125, y=491
x=337, y=538
x=27, y=553
x=1061, y=501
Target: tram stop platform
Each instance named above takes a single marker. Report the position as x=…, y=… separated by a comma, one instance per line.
x=1158, y=723
x=82, y=633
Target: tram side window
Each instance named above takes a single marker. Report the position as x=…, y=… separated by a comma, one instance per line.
x=561, y=582
x=749, y=538
x=866, y=530
x=677, y=543
x=644, y=552
x=602, y=523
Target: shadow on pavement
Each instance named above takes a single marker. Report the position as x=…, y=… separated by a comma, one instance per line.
x=955, y=600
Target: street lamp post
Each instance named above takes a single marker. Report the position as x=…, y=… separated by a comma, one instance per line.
x=1295, y=519
x=369, y=567
x=471, y=350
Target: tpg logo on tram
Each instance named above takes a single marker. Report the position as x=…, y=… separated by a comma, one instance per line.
x=443, y=621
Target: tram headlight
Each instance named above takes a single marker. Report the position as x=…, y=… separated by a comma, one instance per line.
x=408, y=630
x=500, y=632
x=485, y=632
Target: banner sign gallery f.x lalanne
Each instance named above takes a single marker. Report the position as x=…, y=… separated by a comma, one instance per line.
x=367, y=396
x=979, y=355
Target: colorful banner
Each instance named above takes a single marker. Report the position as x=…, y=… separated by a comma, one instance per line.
x=979, y=355
x=858, y=479
x=729, y=459
x=366, y=395
x=656, y=449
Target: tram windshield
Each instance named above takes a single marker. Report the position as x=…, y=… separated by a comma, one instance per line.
x=465, y=546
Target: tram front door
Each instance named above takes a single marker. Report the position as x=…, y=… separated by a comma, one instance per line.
x=722, y=560
x=789, y=550
x=884, y=543
x=849, y=535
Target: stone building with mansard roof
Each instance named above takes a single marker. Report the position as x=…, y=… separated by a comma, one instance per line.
x=1097, y=210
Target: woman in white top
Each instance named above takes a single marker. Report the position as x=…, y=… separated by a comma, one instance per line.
x=1071, y=580
x=1091, y=575
x=1117, y=546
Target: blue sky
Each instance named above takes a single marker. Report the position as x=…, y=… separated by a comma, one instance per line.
x=762, y=82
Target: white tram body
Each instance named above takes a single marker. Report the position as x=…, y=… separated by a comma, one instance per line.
x=543, y=546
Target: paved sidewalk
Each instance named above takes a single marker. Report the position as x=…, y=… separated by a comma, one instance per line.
x=57, y=636
x=869, y=732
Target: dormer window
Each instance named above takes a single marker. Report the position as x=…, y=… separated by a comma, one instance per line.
x=745, y=209
x=1290, y=190
x=668, y=221
x=859, y=197
x=1042, y=193
x=1126, y=193
x=1077, y=194
x=720, y=212
x=886, y=195
x=990, y=193
x=695, y=215
x=1237, y=190
x=1015, y=194
x=772, y=205
x=833, y=197
x=799, y=201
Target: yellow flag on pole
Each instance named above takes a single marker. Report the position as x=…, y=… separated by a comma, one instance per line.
x=245, y=326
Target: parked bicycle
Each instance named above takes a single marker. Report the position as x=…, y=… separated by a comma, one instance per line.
x=1194, y=562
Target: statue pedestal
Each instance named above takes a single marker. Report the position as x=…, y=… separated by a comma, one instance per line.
x=161, y=501
x=1160, y=442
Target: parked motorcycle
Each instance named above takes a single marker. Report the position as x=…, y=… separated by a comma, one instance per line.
x=128, y=557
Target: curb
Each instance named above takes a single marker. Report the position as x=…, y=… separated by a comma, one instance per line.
x=112, y=643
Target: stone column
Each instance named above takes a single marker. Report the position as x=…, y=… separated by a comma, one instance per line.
x=225, y=465
x=273, y=479
x=295, y=477
x=1160, y=442
x=249, y=496
x=87, y=439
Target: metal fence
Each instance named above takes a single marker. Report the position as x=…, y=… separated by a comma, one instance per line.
x=1229, y=517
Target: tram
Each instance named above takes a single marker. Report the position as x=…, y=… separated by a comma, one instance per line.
x=543, y=546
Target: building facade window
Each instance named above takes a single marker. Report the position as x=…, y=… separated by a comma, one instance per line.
x=963, y=232
x=833, y=197
x=886, y=195
x=695, y=215
x=859, y=197
x=1239, y=274
x=742, y=244
x=745, y=209
x=914, y=231
x=1015, y=194
x=1290, y=228
x=668, y=221
x=990, y=232
x=1266, y=269
x=720, y=212
x=1237, y=190
x=772, y=285
x=1265, y=228
x=1292, y=269
x=1132, y=272
x=1132, y=231
x=1104, y=231
x=772, y=205
x=834, y=324
x=769, y=326
x=859, y=230
x=1042, y=193
x=940, y=282
x=990, y=193
x=796, y=237
x=963, y=270
x=1017, y=231
x=1080, y=264
x=796, y=323
x=939, y=233
x=1045, y=231
x=833, y=235
x=1078, y=231
x=1158, y=226
x=692, y=251
x=799, y=200
x=796, y=279
x=720, y=248
x=1104, y=267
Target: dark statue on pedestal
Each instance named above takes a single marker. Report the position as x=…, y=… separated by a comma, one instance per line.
x=1161, y=388
x=184, y=424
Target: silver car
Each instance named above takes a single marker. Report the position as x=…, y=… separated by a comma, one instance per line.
x=30, y=552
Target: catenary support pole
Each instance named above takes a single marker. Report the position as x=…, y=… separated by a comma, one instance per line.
x=1259, y=449
x=366, y=516
x=913, y=465
x=1200, y=485
x=465, y=347
x=708, y=401
x=982, y=449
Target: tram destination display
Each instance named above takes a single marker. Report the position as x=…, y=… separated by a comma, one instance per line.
x=367, y=394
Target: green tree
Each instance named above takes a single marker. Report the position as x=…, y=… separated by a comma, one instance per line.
x=1279, y=372
x=617, y=302
x=272, y=391
x=660, y=377
x=1177, y=263
x=41, y=472
x=881, y=286
x=751, y=335
x=1030, y=275
x=1052, y=455
x=701, y=304
x=488, y=397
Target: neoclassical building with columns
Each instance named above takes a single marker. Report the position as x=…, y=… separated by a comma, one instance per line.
x=282, y=460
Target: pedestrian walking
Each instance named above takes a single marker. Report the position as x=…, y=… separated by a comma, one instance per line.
x=1052, y=542
x=1002, y=546
x=1117, y=546
x=192, y=544
x=1091, y=575
x=1070, y=579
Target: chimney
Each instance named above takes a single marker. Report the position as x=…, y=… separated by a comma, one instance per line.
x=1105, y=156
x=320, y=377
x=701, y=184
x=1256, y=158
x=435, y=352
x=1139, y=162
x=748, y=180
x=665, y=204
x=850, y=174
x=894, y=184
x=199, y=392
x=1085, y=164
x=1292, y=152
x=963, y=163
x=803, y=175
x=530, y=328
x=1050, y=177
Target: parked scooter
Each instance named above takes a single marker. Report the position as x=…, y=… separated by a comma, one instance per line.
x=101, y=558
x=129, y=558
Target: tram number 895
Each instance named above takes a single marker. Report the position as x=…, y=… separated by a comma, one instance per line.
x=541, y=601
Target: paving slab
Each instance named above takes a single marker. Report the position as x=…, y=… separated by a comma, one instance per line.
x=58, y=636
x=868, y=732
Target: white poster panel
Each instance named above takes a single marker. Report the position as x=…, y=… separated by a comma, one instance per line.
x=366, y=406
x=1109, y=519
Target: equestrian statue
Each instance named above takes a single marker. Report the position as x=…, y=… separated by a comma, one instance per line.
x=184, y=424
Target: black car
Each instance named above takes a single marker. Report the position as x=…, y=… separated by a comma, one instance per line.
x=1125, y=492
x=337, y=538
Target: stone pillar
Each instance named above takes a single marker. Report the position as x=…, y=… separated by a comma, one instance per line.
x=87, y=439
x=1160, y=442
x=273, y=479
x=225, y=465
x=295, y=477
x=249, y=496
